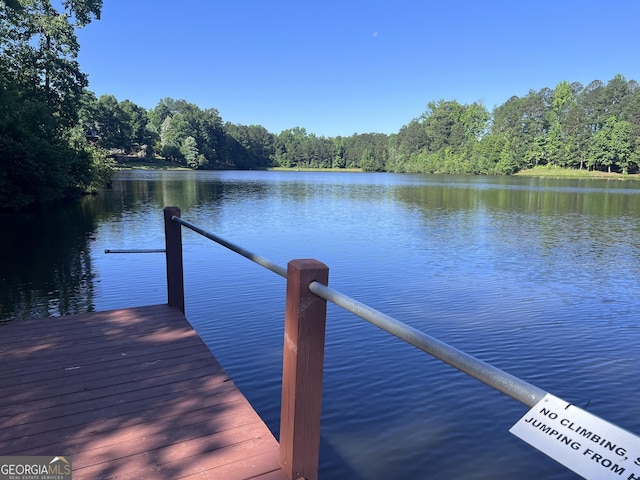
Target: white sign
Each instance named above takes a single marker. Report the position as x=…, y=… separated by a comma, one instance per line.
x=591, y=447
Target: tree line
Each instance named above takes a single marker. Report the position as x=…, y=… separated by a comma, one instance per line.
x=57, y=137
x=594, y=127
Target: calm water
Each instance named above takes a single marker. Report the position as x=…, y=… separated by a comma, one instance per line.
x=538, y=276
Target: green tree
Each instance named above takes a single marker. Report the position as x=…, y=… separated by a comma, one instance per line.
x=175, y=120
x=563, y=100
x=475, y=121
x=525, y=121
x=410, y=140
x=290, y=147
x=249, y=146
x=443, y=125
x=113, y=124
x=40, y=98
x=486, y=154
x=189, y=149
x=594, y=103
x=137, y=119
x=612, y=145
x=370, y=148
x=507, y=163
x=556, y=148
x=578, y=134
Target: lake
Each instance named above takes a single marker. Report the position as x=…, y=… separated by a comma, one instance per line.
x=537, y=276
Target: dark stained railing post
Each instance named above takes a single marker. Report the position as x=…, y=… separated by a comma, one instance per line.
x=173, y=242
x=303, y=361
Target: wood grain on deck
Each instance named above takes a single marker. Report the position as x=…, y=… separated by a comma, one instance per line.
x=127, y=394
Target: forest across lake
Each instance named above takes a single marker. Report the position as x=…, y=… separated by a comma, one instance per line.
x=592, y=127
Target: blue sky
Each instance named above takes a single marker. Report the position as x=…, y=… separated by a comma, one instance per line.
x=338, y=67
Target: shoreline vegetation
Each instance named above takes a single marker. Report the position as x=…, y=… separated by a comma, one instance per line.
x=557, y=172
x=310, y=169
x=570, y=131
x=134, y=163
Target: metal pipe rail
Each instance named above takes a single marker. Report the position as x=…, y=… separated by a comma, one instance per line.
x=137, y=250
x=268, y=264
x=500, y=380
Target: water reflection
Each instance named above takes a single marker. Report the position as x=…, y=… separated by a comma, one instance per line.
x=546, y=196
x=46, y=267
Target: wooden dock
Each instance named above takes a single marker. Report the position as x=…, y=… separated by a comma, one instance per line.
x=128, y=394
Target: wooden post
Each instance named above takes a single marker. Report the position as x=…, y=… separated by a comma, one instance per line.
x=173, y=243
x=304, y=330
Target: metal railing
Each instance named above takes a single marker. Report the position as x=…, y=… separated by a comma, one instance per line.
x=494, y=377
x=268, y=264
x=137, y=250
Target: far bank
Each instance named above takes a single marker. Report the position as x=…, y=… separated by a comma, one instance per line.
x=135, y=163
x=545, y=171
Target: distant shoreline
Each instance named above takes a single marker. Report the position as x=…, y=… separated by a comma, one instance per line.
x=309, y=169
x=543, y=171
x=135, y=163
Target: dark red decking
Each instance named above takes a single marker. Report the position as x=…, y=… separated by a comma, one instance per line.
x=127, y=394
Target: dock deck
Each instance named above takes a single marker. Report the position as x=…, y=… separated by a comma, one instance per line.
x=127, y=394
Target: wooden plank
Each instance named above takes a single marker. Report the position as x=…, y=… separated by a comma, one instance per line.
x=24, y=372
x=77, y=385
x=118, y=394
x=176, y=459
x=49, y=434
x=130, y=393
x=100, y=372
x=263, y=466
